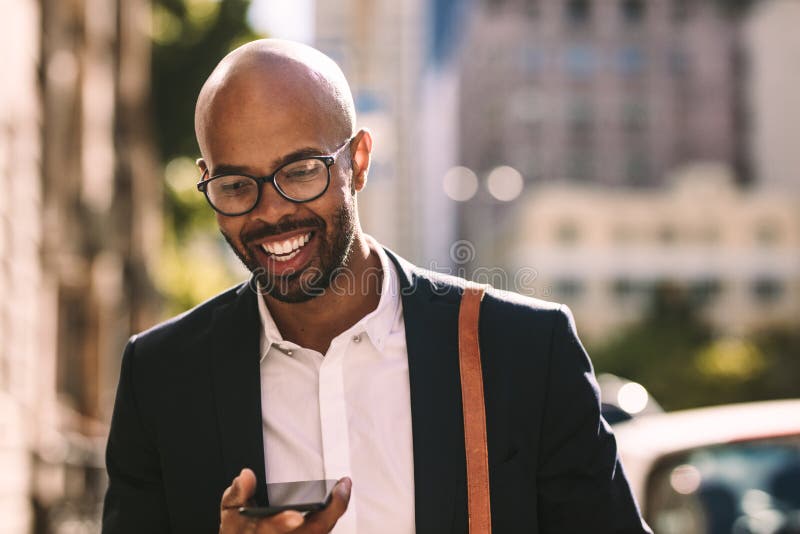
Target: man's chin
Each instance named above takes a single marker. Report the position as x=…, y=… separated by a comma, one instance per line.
x=291, y=288
x=292, y=297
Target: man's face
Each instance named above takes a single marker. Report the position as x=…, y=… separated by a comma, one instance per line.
x=294, y=249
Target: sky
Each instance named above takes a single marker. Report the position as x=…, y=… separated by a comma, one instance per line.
x=287, y=19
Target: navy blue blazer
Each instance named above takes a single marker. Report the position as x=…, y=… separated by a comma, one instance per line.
x=187, y=418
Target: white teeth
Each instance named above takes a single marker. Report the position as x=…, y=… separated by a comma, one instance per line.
x=287, y=257
x=284, y=248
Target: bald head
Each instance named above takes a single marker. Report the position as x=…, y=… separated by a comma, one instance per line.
x=268, y=79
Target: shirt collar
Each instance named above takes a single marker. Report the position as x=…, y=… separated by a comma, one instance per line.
x=269, y=330
x=377, y=324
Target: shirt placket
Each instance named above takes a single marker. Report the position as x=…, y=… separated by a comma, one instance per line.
x=334, y=427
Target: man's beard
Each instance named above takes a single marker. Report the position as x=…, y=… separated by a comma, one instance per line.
x=311, y=282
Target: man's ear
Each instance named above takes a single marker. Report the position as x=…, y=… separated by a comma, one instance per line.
x=360, y=153
x=200, y=162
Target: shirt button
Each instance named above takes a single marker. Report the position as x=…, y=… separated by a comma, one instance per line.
x=357, y=338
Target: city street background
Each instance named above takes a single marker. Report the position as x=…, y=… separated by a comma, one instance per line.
x=637, y=160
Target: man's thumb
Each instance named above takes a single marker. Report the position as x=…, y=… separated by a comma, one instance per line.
x=240, y=490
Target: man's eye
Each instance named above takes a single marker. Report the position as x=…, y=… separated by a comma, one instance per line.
x=236, y=187
x=302, y=172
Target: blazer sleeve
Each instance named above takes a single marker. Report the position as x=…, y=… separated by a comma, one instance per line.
x=135, y=500
x=581, y=483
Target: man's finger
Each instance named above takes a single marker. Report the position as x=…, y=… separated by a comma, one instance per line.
x=324, y=520
x=240, y=491
x=282, y=523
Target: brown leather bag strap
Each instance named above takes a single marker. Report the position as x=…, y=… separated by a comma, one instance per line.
x=469, y=359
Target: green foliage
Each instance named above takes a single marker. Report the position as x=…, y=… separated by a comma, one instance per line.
x=189, y=37
x=658, y=352
x=684, y=364
x=781, y=347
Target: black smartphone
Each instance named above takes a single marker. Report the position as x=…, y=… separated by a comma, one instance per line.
x=301, y=496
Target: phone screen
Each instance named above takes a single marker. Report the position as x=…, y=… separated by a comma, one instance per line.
x=302, y=496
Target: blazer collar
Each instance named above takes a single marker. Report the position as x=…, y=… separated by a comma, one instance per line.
x=430, y=312
x=236, y=378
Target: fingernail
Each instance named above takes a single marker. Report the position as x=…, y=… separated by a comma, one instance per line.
x=343, y=488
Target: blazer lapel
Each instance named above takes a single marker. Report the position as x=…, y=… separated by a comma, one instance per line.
x=430, y=312
x=236, y=376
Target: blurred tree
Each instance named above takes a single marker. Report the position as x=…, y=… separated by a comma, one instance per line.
x=189, y=38
x=781, y=347
x=682, y=362
x=659, y=351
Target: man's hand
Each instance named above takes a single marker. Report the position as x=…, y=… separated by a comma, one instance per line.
x=241, y=491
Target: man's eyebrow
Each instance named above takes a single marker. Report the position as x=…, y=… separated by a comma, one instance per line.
x=305, y=152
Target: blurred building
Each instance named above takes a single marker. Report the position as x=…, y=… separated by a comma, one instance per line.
x=579, y=120
x=602, y=251
x=610, y=92
x=378, y=45
x=79, y=222
x=399, y=60
x=773, y=46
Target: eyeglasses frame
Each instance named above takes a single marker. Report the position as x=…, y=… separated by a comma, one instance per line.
x=327, y=159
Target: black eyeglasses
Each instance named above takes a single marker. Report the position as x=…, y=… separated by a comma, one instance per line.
x=298, y=181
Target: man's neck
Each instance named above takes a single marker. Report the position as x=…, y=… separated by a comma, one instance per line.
x=314, y=324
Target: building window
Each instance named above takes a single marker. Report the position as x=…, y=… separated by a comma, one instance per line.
x=625, y=288
x=580, y=165
x=638, y=169
x=567, y=233
x=632, y=60
x=634, y=117
x=710, y=235
x=678, y=63
x=531, y=59
x=667, y=234
x=633, y=11
x=767, y=233
x=569, y=288
x=767, y=289
x=579, y=12
x=581, y=118
x=494, y=5
x=580, y=61
x=680, y=10
x=533, y=8
x=704, y=290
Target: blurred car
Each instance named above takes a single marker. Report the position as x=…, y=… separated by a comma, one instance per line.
x=731, y=469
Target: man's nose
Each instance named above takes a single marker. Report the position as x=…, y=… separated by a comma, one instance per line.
x=272, y=205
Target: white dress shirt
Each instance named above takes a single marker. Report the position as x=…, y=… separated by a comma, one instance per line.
x=345, y=413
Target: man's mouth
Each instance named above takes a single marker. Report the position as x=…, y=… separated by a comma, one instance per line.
x=286, y=249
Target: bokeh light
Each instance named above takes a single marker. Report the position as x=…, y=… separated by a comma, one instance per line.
x=632, y=397
x=460, y=184
x=504, y=183
x=685, y=479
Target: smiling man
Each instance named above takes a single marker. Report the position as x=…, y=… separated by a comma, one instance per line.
x=338, y=359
